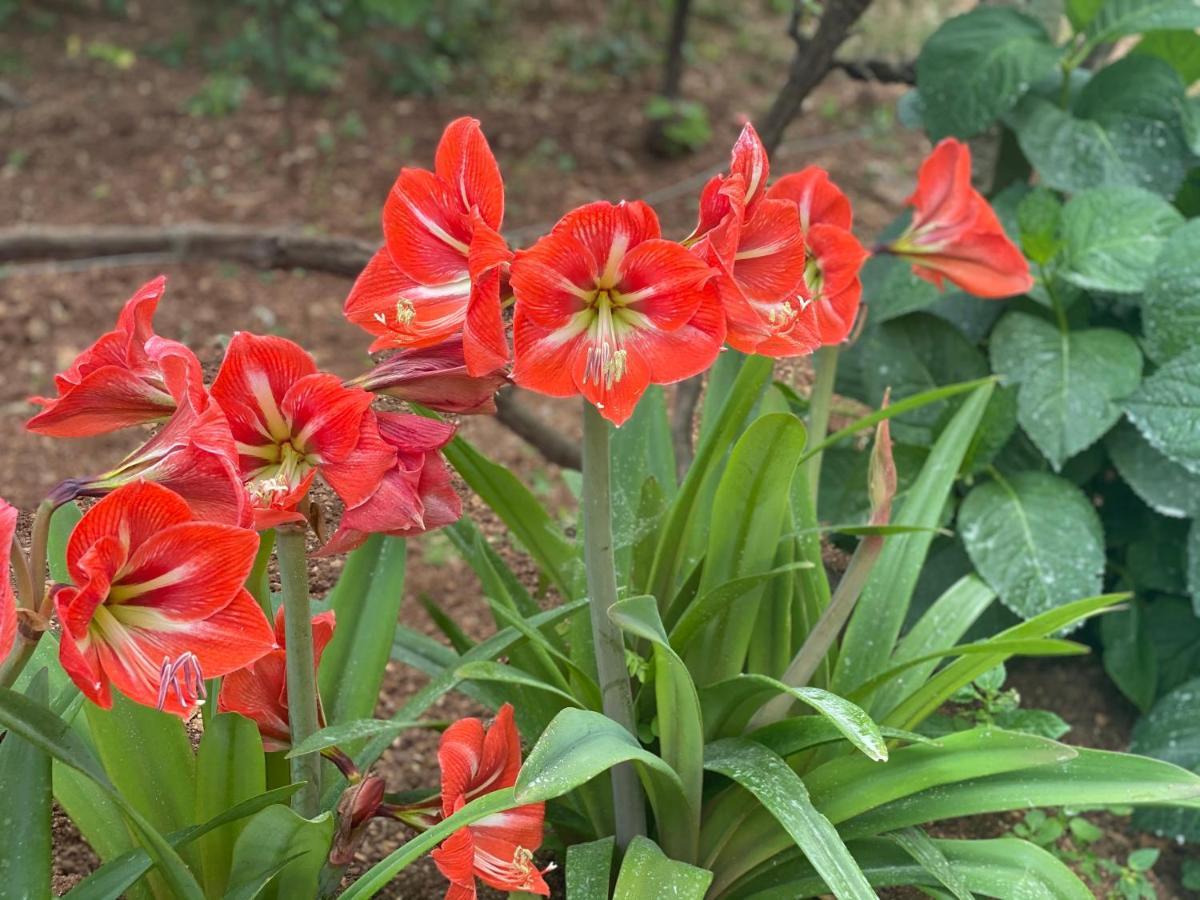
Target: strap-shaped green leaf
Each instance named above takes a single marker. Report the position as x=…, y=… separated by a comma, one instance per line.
x=784, y=796
x=917, y=844
x=269, y=840
x=799, y=733
x=648, y=872
x=589, y=869
x=25, y=807
x=40, y=727
x=229, y=769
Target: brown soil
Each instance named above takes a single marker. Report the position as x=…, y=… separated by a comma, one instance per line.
x=97, y=144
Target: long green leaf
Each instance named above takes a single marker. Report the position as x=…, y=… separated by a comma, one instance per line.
x=942, y=625
x=366, y=600
x=274, y=836
x=119, y=874
x=788, y=737
x=784, y=796
x=917, y=844
x=40, y=727
x=883, y=605
x=1003, y=867
x=62, y=523
x=589, y=869
x=527, y=520
x=648, y=872
x=1090, y=778
x=229, y=769
x=922, y=702
x=349, y=732
x=680, y=727
x=729, y=705
x=669, y=558
x=701, y=611
x=486, y=670
x=25, y=772
x=749, y=511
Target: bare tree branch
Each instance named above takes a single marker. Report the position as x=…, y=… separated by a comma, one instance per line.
x=262, y=248
x=881, y=70
x=812, y=62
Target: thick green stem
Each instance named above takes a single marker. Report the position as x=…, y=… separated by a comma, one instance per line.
x=31, y=593
x=825, y=364
x=301, y=673
x=825, y=632
x=629, y=804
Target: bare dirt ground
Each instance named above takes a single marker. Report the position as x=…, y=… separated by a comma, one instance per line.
x=96, y=144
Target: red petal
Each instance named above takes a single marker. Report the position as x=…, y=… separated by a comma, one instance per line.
x=207, y=480
x=254, y=377
x=137, y=316
x=501, y=760
x=254, y=692
x=106, y=399
x=186, y=572
x=484, y=344
x=663, y=281
x=455, y=859
x=460, y=751
x=554, y=279
x=542, y=356
x=8, y=607
x=770, y=256
x=81, y=662
x=723, y=199
x=436, y=377
x=325, y=416
x=356, y=476
x=401, y=312
x=465, y=161
x=181, y=372
x=820, y=201
x=689, y=349
x=616, y=401
x=609, y=230
x=944, y=192
x=132, y=514
x=838, y=255
x=989, y=266
x=427, y=228
x=750, y=161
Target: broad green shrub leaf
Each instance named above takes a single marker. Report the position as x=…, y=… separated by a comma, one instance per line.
x=976, y=66
x=1069, y=385
x=1127, y=127
x=1117, y=18
x=1156, y=560
x=25, y=808
x=1171, y=732
x=1080, y=12
x=893, y=289
x=995, y=430
x=589, y=869
x=1164, y=485
x=1112, y=235
x=1193, y=564
x=917, y=353
x=1166, y=410
x=272, y=837
x=1171, y=303
x=1130, y=658
x=1036, y=539
x=1039, y=218
x=1180, y=49
x=785, y=797
x=648, y=872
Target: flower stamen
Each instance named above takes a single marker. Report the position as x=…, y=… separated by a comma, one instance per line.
x=185, y=676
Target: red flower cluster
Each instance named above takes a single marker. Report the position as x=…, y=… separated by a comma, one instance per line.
x=498, y=850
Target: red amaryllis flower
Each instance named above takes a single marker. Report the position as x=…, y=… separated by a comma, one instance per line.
x=290, y=421
x=415, y=496
x=753, y=240
x=116, y=382
x=821, y=311
x=436, y=377
x=499, y=849
x=193, y=454
x=157, y=602
x=954, y=232
x=439, y=271
x=606, y=307
x=8, y=605
x=259, y=691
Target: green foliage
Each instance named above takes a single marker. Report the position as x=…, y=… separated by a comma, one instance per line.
x=683, y=123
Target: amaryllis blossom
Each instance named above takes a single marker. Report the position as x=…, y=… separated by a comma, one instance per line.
x=290, y=421
x=822, y=309
x=498, y=849
x=193, y=454
x=436, y=377
x=954, y=233
x=606, y=307
x=259, y=691
x=8, y=605
x=157, y=602
x=753, y=240
x=440, y=268
x=416, y=495
x=116, y=382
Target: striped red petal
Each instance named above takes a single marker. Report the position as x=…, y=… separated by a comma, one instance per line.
x=8, y=607
x=465, y=161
